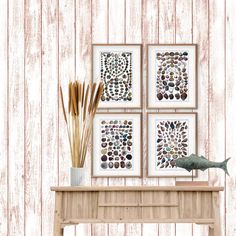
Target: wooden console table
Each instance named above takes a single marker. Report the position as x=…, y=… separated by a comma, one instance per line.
x=144, y=204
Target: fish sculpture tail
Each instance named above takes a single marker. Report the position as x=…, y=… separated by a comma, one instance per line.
x=224, y=166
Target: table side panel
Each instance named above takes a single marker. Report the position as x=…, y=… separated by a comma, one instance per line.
x=79, y=205
x=196, y=205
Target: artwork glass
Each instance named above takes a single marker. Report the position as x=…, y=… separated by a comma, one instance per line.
x=119, y=68
x=116, y=144
x=116, y=75
x=171, y=136
x=171, y=76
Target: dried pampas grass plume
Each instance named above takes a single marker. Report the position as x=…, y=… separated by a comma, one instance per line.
x=83, y=100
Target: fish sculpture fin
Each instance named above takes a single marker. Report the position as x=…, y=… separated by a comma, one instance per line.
x=203, y=157
x=203, y=169
x=194, y=155
x=224, y=166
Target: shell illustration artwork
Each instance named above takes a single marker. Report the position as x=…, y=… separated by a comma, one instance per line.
x=116, y=75
x=195, y=162
x=171, y=142
x=116, y=144
x=172, y=76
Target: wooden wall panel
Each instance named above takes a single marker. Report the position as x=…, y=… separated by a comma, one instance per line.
x=116, y=34
x=200, y=37
x=133, y=24
x=83, y=72
x=183, y=22
x=116, y=21
x=183, y=34
x=16, y=118
x=133, y=34
x=167, y=29
x=33, y=117
x=217, y=95
x=49, y=111
x=230, y=185
x=66, y=72
x=167, y=22
x=3, y=117
x=150, y=32
x=47, y=43
x=66, y=69
x=100, y=34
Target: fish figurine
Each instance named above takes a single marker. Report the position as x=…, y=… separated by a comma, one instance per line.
x=195, y=162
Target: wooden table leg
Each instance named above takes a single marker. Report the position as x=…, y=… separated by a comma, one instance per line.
x=58, y=231
x=216, y=229
x=211, y=230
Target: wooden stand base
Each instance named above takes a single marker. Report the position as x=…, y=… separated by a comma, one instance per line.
x=191, y=183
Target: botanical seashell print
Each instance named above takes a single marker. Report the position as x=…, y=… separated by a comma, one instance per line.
x=172, y=75
x=116, y=75
x=116, y=144
x=171, y=142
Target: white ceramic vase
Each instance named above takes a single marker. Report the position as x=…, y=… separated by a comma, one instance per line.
x=77, y=176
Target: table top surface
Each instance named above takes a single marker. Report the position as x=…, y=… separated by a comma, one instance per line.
x=136, y=188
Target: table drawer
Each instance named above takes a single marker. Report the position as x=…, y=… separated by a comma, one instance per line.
x=160, y=205
x=137, y=205
x=119, y=205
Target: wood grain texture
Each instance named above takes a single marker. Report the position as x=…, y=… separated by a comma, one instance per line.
x=122, y=204
x=100, y=33
x=116, y=21
x=66, y=67
x=3, y=117
x=34, y=153
x=183, y=34
x=167, y=29
x=230, y=184
x=116, y=34
x=133, y=24
x=100, y=21
x=200, y=36
x=133, y=34
x=183, y=21
x=83, y=72
x=150, y=33
x=57, y=214
x=49, y=110
x=137, y=188
x=16, y=118
x=167, y=21
x=217, y=95
x=33, y=117
x=66, y=72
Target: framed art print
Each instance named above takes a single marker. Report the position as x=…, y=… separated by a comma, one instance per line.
x=170, y=136
x=171, y=79
x=117, y=146
x=119, y=68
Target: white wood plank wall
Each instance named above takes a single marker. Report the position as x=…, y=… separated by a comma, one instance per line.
x=47, y=43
